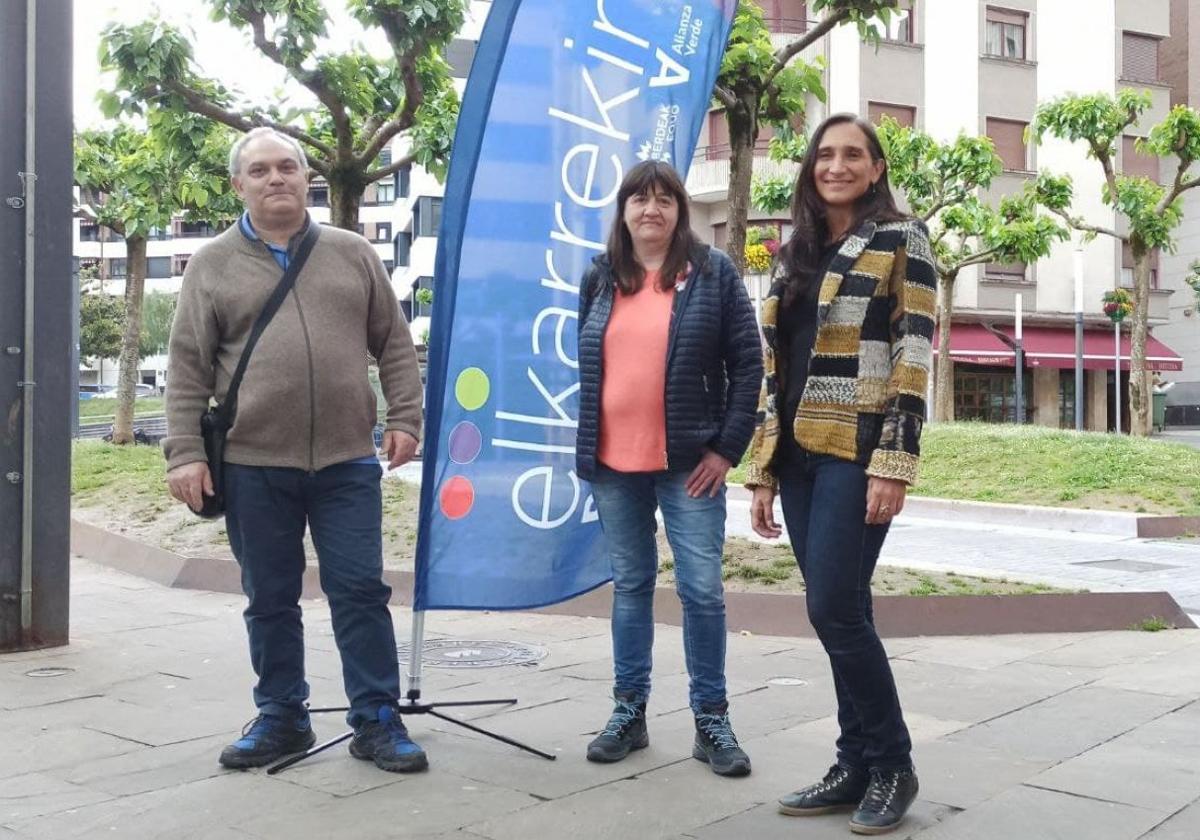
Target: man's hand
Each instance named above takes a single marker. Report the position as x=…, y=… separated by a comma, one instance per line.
x=709, y=475
x=399, y=447
x=885, y=499
x=190, y=483
x=762, y=513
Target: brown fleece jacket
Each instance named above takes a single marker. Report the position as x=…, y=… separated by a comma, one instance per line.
x=305, y=400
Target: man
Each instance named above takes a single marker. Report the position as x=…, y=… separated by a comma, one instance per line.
x=301, y=451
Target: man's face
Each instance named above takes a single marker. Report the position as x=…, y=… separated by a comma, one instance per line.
x=271, y=182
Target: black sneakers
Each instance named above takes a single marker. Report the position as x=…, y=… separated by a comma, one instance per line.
x=624, y=732
x=889, y=796
x=716, y=744
x=842, y=787
x=267, y=738
x=385, y=741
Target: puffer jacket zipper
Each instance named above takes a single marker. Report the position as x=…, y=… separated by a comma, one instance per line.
x=681, y=298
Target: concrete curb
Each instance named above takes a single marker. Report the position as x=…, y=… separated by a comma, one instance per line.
x=1112, y=522
x=761, y=613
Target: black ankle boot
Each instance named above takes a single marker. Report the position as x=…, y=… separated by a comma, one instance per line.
x=842, y=787
x=624, y=732
x=888, y=798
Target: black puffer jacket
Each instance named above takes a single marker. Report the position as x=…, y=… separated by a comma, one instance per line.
x=714, y=362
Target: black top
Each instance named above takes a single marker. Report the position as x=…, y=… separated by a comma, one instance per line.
x=797, y=332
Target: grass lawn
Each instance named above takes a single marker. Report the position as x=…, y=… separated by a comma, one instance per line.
x=105, y=407
x=1034, y=465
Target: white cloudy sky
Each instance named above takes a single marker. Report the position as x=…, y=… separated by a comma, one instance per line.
x=221, y=51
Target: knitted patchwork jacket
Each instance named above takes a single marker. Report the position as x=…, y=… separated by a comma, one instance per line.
x=865, y=396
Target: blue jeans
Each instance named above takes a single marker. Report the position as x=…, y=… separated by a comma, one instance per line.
x=824, y=505
x=267, y=510
x=696, y=531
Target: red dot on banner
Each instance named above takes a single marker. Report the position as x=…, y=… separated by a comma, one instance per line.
x=457, y=497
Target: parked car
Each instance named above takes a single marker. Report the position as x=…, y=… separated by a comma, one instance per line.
x=87, y=392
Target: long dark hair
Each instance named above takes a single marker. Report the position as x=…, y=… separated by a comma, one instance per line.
x=646, y=178
x=798, y=259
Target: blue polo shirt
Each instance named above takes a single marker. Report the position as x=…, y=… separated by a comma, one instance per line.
x=281, y=257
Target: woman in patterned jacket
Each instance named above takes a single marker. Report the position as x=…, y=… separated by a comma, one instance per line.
x=848, y=327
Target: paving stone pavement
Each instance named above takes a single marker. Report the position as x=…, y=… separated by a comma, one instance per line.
x=1034, y=737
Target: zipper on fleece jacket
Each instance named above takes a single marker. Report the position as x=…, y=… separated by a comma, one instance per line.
x=312, y=390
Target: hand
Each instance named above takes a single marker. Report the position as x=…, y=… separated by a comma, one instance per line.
x=709, y=475
x=885, y=499
x=190, y=483
x=399, y=447
x=762, y=513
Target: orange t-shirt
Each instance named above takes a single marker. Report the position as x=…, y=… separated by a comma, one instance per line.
x=633, y=412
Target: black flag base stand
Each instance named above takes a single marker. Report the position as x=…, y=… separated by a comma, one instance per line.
x=412, y=705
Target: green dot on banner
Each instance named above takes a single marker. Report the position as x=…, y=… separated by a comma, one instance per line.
x=472, y=388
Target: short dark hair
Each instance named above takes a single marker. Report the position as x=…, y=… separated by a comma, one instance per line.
x=648, y=177
x=799, y=257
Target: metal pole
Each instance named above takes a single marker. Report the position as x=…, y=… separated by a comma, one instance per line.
x=1019, y=360
x=1117, y=358
x=29, y=177
x=414, y=655
x=1079, y=340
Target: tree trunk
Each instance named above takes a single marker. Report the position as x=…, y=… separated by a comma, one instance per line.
x=135, y=286
x=1139, y=377
x=344, y=198
x=943, y=392
x=743, y=131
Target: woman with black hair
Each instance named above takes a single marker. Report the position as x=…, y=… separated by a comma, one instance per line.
x=669, y=367
x=848, y=328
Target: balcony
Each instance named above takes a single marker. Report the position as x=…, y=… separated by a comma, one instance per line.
x=708, y=178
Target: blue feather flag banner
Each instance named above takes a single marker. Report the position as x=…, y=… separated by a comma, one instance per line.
x=563, y=98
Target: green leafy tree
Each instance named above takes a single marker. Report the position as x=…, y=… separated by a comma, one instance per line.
x=101, y=323
x=1193, y=280
x=760, y=85
x=363, y=102
x=1151, y=211
x=942, y=183
x=158, y=311
x=137, y=179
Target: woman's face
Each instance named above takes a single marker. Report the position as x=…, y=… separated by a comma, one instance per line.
x=845, y=170
x=651, y=218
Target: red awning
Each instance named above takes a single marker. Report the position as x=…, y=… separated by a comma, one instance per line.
x=1053, y=347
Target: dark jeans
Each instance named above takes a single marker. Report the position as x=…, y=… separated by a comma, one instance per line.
x=824, y=505
x=267, y=511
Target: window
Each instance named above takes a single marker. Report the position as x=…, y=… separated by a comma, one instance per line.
x=318, y=196
x=1134, y=163
x=160, y=233
x=383, y=232
x=1127, y=267
x=388, y=265
x=117, y=267
x=158, y=267
x=1139, y=57
x=401, y=247
x=197, y=229
x=385, y=157
x=427, y=216
x=1005, y=272
x=1005, y=34
x=89, y=232
x=718, y=147
x=402, y=180
x=901, y=25
x=906, y=115
x=385, y=192
x=1009, y=139
x=988, y=394
x=179, y=263
x=788, y=17
x=362, y=229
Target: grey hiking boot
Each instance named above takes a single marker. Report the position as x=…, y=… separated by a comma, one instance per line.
x=716, y=745
x=624, y=732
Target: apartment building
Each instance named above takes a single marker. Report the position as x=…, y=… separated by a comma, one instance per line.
x=981, y=67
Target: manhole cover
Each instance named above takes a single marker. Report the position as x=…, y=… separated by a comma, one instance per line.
x=49, y=672
x=1122, y=565
x=473, y=653
x=786, y=681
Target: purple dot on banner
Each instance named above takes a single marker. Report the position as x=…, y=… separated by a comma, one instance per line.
x=465, y=442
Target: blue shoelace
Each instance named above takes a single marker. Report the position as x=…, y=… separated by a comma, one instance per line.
x=623, y=716
x=718, y=729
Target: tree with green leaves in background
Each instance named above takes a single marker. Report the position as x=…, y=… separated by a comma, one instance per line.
x=941, y=183
x=1151, y=211
x=363, y=102
x=158, y=312
x=137, y=179
x=760, y=85
x=101, y=323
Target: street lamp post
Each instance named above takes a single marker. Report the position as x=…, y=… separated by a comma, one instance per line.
x=1020, y=364
x=1079, y=339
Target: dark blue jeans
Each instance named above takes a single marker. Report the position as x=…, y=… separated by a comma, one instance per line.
x=696, y=531
x=267, y=510
x=824, y=505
